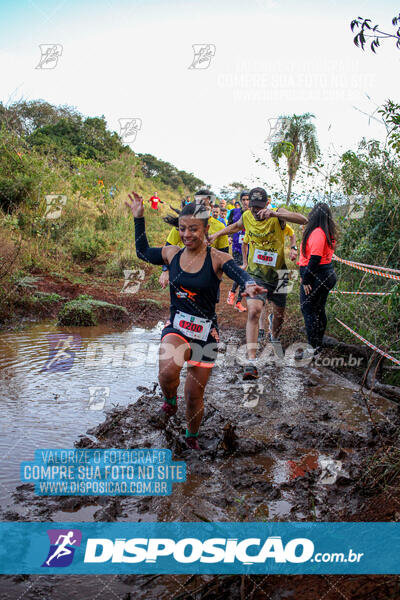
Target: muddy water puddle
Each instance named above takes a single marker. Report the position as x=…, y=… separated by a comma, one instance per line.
x=286, y=447
x=48, y=408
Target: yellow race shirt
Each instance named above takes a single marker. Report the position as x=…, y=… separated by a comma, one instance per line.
x=266, y=247
x=288, y=230
x=222, y=242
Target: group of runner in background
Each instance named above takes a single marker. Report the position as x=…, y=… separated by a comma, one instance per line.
x=194, y=258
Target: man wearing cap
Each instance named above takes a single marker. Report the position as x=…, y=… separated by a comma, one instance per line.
x=265, y=235
x=290, y=234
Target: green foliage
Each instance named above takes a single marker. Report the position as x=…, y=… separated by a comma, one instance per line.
x=78, y=312
x=231, y=191
x=295, y=139
x=86, y=245
x=152, y=282
x=23, y=118
x=22, y=172
x=367, y=31
x=25, y=281
x=164, y=172
x=85, y=310
x=87, y=138
x=373, y=175
x=391, y=116
x=47, y=298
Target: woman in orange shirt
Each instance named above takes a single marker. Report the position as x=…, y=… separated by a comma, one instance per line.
x=316, y=271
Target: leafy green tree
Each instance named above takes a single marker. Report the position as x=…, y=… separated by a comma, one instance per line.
x=295, y=138
x=367, y=31
x=23, y=172
x=87, y=138
x=23, y=117
x=166, y=173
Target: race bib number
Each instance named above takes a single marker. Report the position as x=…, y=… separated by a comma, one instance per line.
x=193, y=327
x=265, y=257
x=241, y=238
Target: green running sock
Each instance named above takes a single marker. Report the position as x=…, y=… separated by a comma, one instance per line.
x=171, y=401
x=188, y=434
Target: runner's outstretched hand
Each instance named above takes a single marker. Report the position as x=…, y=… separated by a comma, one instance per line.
x=135, y=204
x=253, y=289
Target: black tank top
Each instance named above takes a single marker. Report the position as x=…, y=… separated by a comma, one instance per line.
x=194, y=293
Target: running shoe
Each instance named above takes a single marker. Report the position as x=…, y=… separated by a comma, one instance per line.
x=192, y=443
x=231, y=298
x=169, y=409
x=261, y=334
x=250, y=372
x=239, y=306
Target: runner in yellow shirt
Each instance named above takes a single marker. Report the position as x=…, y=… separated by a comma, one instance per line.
x=202, y=197
x=287, y=232
x=265, y=230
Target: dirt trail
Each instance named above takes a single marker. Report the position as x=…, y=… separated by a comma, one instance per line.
x=294, y=449
x=294, y=446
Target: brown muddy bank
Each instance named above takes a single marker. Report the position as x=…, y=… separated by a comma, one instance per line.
x=305, y=446
x=45, y=295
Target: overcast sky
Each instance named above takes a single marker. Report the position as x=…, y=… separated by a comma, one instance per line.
x=131, y=59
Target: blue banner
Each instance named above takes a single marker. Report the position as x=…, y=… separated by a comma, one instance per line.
x=103, y=472
x=215, y=548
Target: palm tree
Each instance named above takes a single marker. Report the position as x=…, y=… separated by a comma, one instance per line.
x=295, y=136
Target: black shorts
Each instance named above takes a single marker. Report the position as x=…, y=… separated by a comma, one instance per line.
x=277, y=298
x=203, y=353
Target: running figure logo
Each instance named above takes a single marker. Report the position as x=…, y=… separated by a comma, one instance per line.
x=252, y=393
x=275, y=127
x=54, y=205
x=98, y=396
x=287, y=277
x=133, y=279
x=50, y=53
x=63, y=347
x=203, y=54
x=63, y=543
x=128, y=129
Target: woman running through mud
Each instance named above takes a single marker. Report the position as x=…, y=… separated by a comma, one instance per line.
x=191, y=332
x=316, y=271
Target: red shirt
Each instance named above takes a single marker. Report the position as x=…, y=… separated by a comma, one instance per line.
x=317, y=244
x=154, y=202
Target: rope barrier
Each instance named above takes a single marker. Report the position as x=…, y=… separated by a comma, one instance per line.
x=375, y=348
x=362, y=268
x=361, y=293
